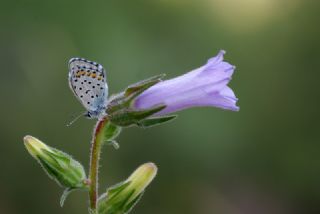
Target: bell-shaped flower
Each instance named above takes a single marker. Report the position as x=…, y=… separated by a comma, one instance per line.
x=204, y=86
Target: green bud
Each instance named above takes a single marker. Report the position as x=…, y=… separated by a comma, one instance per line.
x=121, y=198
x=59, y=166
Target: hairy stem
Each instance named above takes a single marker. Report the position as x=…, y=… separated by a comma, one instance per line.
x=96, y=146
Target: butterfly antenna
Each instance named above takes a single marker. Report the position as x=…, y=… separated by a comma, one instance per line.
x=75, y=118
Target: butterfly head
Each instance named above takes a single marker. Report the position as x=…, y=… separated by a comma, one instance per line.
x=92, y=114
x=89, y=115
x=97, y=114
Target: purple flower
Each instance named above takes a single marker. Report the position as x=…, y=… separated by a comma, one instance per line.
x=204, y=86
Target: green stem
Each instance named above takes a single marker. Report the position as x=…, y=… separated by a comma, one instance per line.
x=96, y=146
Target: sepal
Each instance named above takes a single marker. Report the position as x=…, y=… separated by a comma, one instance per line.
x=120, y=110
x=153, y=121
x=64, y=195
x=137, y=88
x=127, y=117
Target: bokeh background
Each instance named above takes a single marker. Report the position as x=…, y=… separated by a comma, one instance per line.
x=263, y=159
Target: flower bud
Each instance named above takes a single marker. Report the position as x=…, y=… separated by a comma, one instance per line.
x=59, y=166
x=121, y=198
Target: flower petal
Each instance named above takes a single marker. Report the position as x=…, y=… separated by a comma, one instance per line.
x=204, y=86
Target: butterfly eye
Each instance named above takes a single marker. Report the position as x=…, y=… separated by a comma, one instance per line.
x=88, y=115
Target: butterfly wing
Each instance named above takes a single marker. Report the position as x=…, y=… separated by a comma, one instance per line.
x=87, y=80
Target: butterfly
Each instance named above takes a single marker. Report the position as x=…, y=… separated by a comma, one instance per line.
x=87, y=80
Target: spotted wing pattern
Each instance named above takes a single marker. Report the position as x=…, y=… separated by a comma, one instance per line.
x=87, y=80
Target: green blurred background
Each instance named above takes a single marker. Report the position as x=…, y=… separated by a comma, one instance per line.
x=263, y=159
